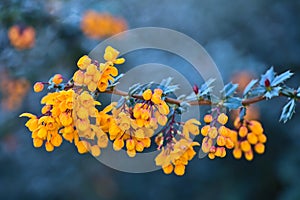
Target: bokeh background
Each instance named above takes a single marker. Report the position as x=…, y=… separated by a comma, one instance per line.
x=244, y=38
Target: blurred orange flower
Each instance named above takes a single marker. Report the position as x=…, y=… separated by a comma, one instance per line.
x=100, y=25
x=13, y=91
x=21, y=37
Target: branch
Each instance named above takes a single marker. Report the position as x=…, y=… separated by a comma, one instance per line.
x=245, y=102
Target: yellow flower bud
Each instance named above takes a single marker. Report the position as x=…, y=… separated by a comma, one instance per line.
x=82, y=113
x=131, y=153
x=65, y=119
x=223, y=131
x=37, y=142
x=92, y=86
x=84, y=62
x=82, y=125
x=208, y=118
x=259, y=148
x=32, y=124
x=158, y=91
x=95, y=150
x=162, y=120
x=139, y=147
x=237, y=153
x=262, y=138
x=46, y=109
x=118, y=144
x=222, y=118
x=252, y=138
x=87, y=79
x=82, y=147
x=237, y=123
x=212, y=133
x=243, y=131
x=249, y=155
x=68, y=136
x=211, y=156
x=206, y=144
x=168, y=169
x=102, y=140
x=163, y=108
x=130, y=144
x=57, y=79
x=146, y=142
x=147, y=94
x=78, y=77
x=245, y=146
x=38, y=87
x=221, y=140
x=91, y=69
x=42, y=133
x=179, y=169
x=205, y=129
x=56, y=140
x=229, y=143
x=255, y=127
x=49, y=146
x=156, y=99
x=223, y=152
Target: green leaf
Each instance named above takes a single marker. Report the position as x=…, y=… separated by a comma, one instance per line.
x=134, y=88
x=233, y=103
x=229, y=89
x=281, y=78
x=249, y=87
x=288, y=111
x=287, y=91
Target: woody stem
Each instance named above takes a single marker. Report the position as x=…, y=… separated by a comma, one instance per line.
x=245, y=102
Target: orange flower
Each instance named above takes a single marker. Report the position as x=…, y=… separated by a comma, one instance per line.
x=100, y=25
x=38, y=87
x=21, y=37
x=13, y=91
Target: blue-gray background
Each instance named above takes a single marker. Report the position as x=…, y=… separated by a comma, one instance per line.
x=239, y=35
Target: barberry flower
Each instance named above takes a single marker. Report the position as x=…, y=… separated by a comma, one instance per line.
x=57, y=79
x=125, y=132
x=111, y=55
x=175, y=156
x=38, y=87
x=217, y=137
x=150, y=112
x=250, y=138
x=97, y=76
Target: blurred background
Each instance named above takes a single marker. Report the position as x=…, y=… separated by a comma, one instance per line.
x=40, y=38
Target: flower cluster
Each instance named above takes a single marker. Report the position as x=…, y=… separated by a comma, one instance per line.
x=176, y=145
x=175, y=156
x=21, y=37
x=217, y=137
x=250, y=138
x=56, y=115
x=100, y=25
x=124, y=131
x=13, y=91
x=68, y=111
x=151, y=109
x=95, y=76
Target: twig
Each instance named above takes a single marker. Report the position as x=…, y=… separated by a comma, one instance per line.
x=245, y=102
